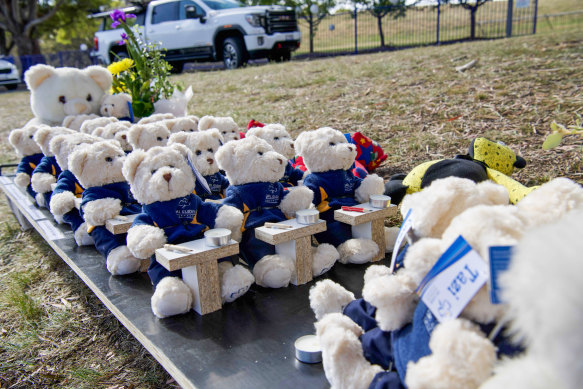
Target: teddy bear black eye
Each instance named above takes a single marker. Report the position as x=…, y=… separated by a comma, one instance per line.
x=260, y=152
x=159, y=139
x=89, y=98
x=332, y=144
x=108, y=159
x=209, y=150
x=276, y=138
x=224, y=132
x=62, y=99
x=30, y=137
x=171, y=166
x=198, y=152
x=154, y=171
x=191, y=130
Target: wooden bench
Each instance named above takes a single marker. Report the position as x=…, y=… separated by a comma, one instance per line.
x=200, y=270
x=295, y=242
x=368, y=225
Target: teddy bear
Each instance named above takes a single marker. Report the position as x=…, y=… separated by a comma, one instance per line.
x=68, y=188
x=58, y=92
x=162, y=181
x=116, y=130
x=46, y=172
x=157, y=117
x=254, y=169
x=276, y=135
x=203, y=145
x=98, y=168
x=22, y=139
x=328, y=156
x=74, y=122
x=226, y=125
x=117, y=105
x=186, y=124
x=90, y=125
x=146, y=136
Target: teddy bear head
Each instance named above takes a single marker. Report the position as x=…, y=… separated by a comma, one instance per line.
x=63, y=145
x=116, y=105
x=202, y=145
x=22, y=139
x=58, y=92
x=496, y=155
x=90, y=125
x=159, y=174
x=45, y=134
x=185, y=124
x=250, y=160
x=157, y=117
x=97, y=164
x=74, y=122
x=325, y=149
x=116, y=130
x=226, y=126
x=276, y=135
x=146, y=136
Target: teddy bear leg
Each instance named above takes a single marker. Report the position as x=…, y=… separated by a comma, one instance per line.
x=274, y=271
x=120, y=261
x=82, y=237
x=328, y=297
x=59, y=219
x=172, y=297
x=357, y=251
x=235, y=281
x=324, y=257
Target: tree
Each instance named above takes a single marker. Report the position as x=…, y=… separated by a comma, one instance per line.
x=381, y=8
x=5, y=46
x=472, y=6
x=312, y=11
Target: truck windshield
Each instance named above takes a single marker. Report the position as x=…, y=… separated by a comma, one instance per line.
x=222, y=4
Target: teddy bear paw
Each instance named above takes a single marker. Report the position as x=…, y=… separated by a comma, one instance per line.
x=82, y=237
x=324, y=257
x=40, y=200
x=376, y=271
x=235, y=282
x=274, y=271
x=59, y=219
x=22, y=180
x=357, y=251
x=120, y=261
x=172, y=297
x=328, y=297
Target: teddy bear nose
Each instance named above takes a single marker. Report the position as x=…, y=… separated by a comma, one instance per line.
x=123, y=137
x=167, y=177
x=210, y=161
x=280, y=161
x=292, y=145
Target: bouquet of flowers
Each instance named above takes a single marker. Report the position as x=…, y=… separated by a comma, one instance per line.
x=145, y=74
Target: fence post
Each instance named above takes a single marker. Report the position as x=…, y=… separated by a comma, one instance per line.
x=355, y=31
x=438, y=17
x=509, y=18
x=535, y=17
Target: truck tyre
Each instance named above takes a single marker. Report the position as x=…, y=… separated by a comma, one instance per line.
x=177, y=67
x=233, y=52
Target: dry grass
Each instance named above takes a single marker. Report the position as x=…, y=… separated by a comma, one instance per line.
x=55, y=333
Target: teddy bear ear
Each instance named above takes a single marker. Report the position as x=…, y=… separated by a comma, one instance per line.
x=134, y=134
x=215, y=133
x=40, y=136
x=170, y=123
x=179, y=137
x=68, y=120
x=299, y=142
x=56, y=143
x=15, y=136
x=225, y=155
x=132, y=163
x=101, y=76
x=182, y=149
x=126, y=97
x=37, y=74
x=78, y=159
x=99, y=131
x=206, y=122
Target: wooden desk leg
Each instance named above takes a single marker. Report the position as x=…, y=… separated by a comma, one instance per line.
x=204, y=281
x=301, y=252
x=375, y=231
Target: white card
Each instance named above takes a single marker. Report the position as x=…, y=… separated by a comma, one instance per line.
x=50, y=231
x=453, y=281
x=405, y=227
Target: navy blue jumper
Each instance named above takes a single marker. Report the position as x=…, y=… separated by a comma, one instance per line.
x=67, y=182
x=50, y=166
x=27, y=165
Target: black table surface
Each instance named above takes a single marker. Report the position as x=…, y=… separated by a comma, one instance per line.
x=249, y=343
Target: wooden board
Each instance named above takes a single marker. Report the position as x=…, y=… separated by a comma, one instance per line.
x=276, y=236
x=120, y=226
x=246, y=344
x=201, y=253
x=356, y=218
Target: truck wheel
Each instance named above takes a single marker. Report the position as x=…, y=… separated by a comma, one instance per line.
x=286, y=55
x=233, y=52
x=177, y=67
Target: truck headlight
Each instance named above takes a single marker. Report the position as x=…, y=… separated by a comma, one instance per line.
x=254, y=20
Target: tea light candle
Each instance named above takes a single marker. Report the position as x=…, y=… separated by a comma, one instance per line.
x=217, y=236
x=308, y=349
x=307, y=216
x=379, y=201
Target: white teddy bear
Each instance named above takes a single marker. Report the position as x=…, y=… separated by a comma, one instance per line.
x=186, y=124
x=146, y=136
x=98, y=167
x=162, y=181
x=116, y=130
x=116, y=106
x=203, y=145
x=226, y=125
x=74, y=122
x=282, y=142
x=22, y=139
x=47, y=171
x=328, y=156
x=157, y=117
x=254, y=169
x=59, y=92
x=91, y=125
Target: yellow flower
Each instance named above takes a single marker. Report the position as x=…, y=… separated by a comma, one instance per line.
x=120, y=66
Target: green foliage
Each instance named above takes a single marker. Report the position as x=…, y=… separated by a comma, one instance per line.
x=554, y=139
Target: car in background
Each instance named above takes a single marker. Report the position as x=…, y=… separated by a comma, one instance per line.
x=9, y=74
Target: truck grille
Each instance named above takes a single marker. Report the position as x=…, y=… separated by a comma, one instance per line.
x=280, y=21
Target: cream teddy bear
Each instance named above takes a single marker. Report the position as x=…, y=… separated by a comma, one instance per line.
x=74, y=122
x=226, y=125
x=162, y=181
x=281, y=141
x=117, y=106
x=185, y=124
x=328, y=156
x=90, y=125
x=254, y=169
x=22, y=139
x=98, y=167
x=58, y=92
x=47, y=171
x=203, y=145
x=146, y=136
x=116, y=130
x=157, y=117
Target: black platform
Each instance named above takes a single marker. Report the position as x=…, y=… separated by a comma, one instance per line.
x=247, y=344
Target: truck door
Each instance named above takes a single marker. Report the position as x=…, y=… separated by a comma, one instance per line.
x=165, y=25
x=195, y=31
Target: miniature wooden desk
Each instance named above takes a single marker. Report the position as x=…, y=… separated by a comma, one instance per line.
x=368, y=225
x=296, y=243
x=200, y=270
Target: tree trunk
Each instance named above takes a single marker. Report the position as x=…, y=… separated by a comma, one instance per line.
x=26, y=45
x=473, y=22
x=380, y=24
x=311, y=22
x=3, y=46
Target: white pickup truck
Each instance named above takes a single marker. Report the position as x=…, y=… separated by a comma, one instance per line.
x=206, y=30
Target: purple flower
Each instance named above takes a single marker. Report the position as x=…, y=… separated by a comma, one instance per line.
x=115, y=24
x=124, y=36
x=130, y=16
x=121, y=43
x=118, y=16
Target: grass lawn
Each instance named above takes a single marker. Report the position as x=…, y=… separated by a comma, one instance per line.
x=55, y=332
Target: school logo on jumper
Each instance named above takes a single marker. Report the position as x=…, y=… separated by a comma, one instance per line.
x=185, y=209
x=272, y=196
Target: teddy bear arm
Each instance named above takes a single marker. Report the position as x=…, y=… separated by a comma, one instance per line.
x=297, y=198
x=96, y=212
x=371, y=184
x=41, y=182
x=22, y=179
x=62, y=202
x=143, y=240
x=229, y=217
